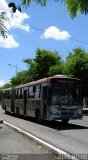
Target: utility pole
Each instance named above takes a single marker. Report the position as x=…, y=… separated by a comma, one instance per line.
x=14, y=67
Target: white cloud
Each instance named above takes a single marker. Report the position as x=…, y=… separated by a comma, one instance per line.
x=8, y=42
x=55, y=33
x=2, y=83
x=3, y=5
x=16, y=20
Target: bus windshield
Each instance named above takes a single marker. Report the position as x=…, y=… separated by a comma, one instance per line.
x=65, y=94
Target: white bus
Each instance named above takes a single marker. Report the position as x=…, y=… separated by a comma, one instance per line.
x=52, y=98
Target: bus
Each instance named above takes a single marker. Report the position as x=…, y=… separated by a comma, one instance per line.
x=53, y=98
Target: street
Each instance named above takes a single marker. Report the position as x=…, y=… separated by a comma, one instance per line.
x=72, y=138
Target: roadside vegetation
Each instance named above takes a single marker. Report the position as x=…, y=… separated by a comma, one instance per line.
x=47, y=63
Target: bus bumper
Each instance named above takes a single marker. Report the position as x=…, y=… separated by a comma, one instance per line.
x=60, y=117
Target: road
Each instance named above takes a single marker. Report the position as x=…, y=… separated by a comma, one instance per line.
x=72, y=138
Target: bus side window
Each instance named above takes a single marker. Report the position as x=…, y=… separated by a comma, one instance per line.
x=38, y=91
x=21, y=93
x=30, y=92
x=5, y=96
x=10, y=93
x=16, y=95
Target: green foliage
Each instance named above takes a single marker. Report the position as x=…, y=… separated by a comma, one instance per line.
x=41, y=2
x=39, y=67
x=20, y=78
x=3, y=29
x=6, y=85
x=44, y=60
x=77, y=6
x=47, y=63
x=74, y=6
x=56, y=69
x=76, y=65
x=13, y=6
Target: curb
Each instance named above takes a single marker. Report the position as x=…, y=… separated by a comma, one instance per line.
x=85, y=112
x=63, y=155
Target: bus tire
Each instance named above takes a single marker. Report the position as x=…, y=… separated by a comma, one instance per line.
x=17, y=112
x=65, y=121
x=38, y=116
x=5, y=109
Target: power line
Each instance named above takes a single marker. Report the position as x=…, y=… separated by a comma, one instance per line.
x=79, y=40
x=42, y=30
x=14, y=67
x=73, y=39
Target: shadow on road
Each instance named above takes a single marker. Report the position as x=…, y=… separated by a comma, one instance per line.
x=58, y=125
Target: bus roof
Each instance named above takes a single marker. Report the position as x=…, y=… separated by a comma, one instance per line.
x=46, y=80
x=34, y=82
x=41, y=81
x=6, y=89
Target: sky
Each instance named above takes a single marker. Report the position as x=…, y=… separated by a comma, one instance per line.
x=49, y=27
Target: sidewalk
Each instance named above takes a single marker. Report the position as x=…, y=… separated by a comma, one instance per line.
x=85, y=111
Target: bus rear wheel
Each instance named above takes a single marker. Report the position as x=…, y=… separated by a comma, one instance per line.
x=38, y=116
x=5, y=109
x=17, y=112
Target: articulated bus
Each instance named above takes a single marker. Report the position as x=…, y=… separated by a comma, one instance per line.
x=53, y=98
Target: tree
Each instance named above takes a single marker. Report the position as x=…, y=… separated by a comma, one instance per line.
x=39, y=67
x=76, y=65
x=74, y=6
x=56, y=69
x=41, y=2
x=3, y=29
x=77, y=6
x=20, y=78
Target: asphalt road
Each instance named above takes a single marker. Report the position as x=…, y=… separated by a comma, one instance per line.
x=72, y=138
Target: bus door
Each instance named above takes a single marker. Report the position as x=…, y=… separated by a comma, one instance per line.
x=13, y=101
x=44, y=100
x=25, y=101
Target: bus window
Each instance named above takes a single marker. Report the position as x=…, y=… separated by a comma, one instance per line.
x=37, y=93
x=65, y=94
x=21, y=93
x=30, y=92
x=75, y=92
x=58, y=94
x=9, y=94
x=16, y=94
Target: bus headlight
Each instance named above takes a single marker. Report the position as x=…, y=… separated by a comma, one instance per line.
x=55, y=110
